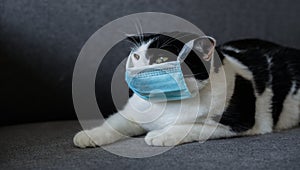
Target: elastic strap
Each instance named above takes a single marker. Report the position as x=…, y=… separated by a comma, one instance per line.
x=186, y=49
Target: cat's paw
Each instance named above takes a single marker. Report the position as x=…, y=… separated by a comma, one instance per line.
x=82, y=139
x=158, y=138
x=93, y=138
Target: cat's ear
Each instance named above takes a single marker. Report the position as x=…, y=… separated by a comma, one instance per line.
x=204, y=46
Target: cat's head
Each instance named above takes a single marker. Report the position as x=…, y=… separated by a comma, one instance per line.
x=149, y=49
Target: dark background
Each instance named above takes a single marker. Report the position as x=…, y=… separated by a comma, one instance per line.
x=41, y=39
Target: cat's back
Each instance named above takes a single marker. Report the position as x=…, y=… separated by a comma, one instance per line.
x=259, y=55
x=274, y=67
x=243, y=47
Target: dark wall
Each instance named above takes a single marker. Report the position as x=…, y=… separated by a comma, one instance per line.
x=41, y=39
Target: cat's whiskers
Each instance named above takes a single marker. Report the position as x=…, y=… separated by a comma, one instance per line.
x=138, y=30
x=173, y=39
x=135, y=43
x=141, y=29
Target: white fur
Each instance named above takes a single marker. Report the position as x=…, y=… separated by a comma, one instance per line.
x=239, y=67
x=291, y=112
x=141, y=51
x=263, y=114
x=115, y=128
x=188, y=133
x=169, y=123
x=236, y=50
x=230, y=79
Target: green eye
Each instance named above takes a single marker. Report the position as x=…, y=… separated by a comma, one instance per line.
x=161, y=60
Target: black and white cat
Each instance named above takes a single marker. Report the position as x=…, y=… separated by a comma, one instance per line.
x=262, y=94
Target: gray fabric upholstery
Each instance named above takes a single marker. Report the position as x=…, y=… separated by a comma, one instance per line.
x=49, y=146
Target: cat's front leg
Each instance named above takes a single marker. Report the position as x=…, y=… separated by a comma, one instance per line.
x=179, y=134
x=113, y=129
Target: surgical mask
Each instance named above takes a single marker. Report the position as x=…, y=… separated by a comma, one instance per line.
x=160, y=82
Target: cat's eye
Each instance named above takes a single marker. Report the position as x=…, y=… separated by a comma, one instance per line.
x=161, y=60
x=136, y=56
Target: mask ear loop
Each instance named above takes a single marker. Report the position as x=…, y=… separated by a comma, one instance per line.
x=186, y=49
x=212, y=50
x=128, y=62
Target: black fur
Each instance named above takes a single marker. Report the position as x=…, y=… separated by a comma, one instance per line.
x=239, y=115
x=255, y=60
x=283, y=69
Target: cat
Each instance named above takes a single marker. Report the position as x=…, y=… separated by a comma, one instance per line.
x=262, y=93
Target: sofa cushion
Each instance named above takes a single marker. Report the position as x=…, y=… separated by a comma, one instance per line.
x=49, y=145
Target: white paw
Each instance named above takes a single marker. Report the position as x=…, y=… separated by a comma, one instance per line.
x=82, y=139
x=157, y=138
x=92, y=138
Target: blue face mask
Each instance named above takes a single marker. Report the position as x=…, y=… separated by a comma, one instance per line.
x=160, y=82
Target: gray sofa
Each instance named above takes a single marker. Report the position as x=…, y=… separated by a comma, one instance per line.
x=39, y=44
x=49, y=146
